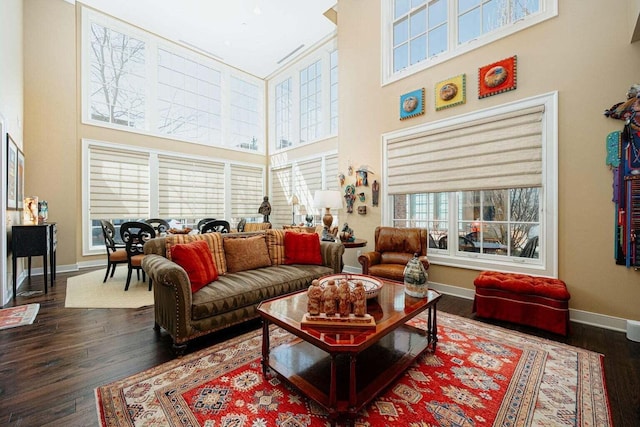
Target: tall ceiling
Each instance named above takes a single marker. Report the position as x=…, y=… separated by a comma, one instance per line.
x=256, y=36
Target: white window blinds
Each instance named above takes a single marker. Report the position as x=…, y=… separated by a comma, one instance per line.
x=247, y=191
x=189, y=188
x=307, y=179
x=281, y=211
x=501, y=151
x=331, y=172
x=118, y=183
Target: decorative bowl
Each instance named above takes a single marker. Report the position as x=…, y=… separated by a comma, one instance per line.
x=371, y=285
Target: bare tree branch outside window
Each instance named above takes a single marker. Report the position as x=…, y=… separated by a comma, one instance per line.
x=117, y=77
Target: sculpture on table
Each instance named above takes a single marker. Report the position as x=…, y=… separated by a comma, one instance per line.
x=359, y=300
x=346, y=234
x=265, y=209
x=329, y=297
x=314, y=296
x=344, y=298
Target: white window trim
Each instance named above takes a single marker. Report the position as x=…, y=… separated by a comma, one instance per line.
x=548, y=265
x=153, y=42
x=549, y=9
x=87, y=248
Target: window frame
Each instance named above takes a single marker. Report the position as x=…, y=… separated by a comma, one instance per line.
x=547, y=265
x=548, y=10
x=322, y=52
x=87, y=245
x=152, y=44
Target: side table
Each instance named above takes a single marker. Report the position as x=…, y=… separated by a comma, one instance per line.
x=357, y=243
x=34, y=240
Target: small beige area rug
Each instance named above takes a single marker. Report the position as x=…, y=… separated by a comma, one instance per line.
x=88, y=291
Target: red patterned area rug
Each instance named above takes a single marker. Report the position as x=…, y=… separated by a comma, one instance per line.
x=18, y=316
x=479, y=375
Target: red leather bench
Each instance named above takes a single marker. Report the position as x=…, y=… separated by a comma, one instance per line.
x=540, y=302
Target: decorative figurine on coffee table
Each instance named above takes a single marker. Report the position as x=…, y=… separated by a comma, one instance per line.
x=330, y=298
x=359, y=300
x=415, y=278
x=314, y=295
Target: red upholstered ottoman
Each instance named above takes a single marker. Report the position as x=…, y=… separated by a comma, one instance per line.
x=540, y=302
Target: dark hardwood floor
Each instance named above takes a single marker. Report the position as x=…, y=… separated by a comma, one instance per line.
x=49, y=370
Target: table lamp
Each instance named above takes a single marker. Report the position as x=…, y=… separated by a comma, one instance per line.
x=327, y=199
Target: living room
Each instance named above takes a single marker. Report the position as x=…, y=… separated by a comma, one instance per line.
x=558, y=61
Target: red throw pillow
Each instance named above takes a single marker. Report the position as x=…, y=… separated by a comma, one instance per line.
x=302, y=248
x=195, y=258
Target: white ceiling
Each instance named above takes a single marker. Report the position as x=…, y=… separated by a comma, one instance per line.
x=253, y=35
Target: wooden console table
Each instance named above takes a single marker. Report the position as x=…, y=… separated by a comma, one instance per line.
x=34, y=240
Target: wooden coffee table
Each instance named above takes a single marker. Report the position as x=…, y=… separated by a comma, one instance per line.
x=343, y=370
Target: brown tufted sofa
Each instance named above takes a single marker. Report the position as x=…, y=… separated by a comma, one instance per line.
x=394, y=248
x=232, y=298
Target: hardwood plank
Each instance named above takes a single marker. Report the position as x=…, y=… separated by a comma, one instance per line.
x=49, y=370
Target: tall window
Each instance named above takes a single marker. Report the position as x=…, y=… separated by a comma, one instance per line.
x=136, y=81
x=303, y=99
x=333, y=76
x=495, y=211
x=311, y=102
x=189, y=98
x=284, y=101
x=124, y=183
x=245, y=114
x=117, y=76
x=420, y=33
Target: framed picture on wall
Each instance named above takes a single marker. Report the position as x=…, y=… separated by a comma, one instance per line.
x=12, y=168
x=20, y=180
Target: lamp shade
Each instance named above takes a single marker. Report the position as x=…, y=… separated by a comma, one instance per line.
x=331, y=199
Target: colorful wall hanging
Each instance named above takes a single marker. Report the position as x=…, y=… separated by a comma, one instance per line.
x=412, y=104
x=451, y=92
x=498, y=77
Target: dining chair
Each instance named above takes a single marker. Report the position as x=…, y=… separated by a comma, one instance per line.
x=161, y=226
x=218, y=225
x=135, y=234
x=116, y=252
x=203, y=222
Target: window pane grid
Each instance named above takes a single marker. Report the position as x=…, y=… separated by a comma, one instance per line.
x=419, y=29
x=245, y=114
x=188, y=96
x=310, y=102
x=116, y=72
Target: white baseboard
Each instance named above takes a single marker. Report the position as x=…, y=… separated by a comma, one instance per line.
x=578, y=316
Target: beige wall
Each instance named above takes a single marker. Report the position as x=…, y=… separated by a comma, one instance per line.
x=585, y=54
x=11, y=110
x=591, y=70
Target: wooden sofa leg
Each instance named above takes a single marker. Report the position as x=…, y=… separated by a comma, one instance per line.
x=179, y=349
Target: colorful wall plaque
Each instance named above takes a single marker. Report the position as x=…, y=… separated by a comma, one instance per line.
x=497, y=78
x=412, y=104
x=451, y=92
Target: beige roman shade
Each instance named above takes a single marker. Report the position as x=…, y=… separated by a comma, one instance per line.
x=502, y=151
x=190, y=189
x=247, y=191
x=118, y=183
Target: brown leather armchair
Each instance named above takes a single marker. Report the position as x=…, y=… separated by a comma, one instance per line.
x=394, y=248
